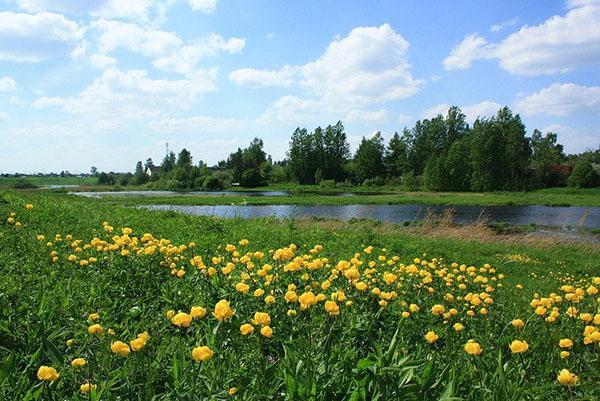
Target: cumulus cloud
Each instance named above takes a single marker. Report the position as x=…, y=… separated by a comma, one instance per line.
x=205, y=6
x=133, y=95
x=168, y=51
x=198, y=125
x=575, y=140
x=33, y=38
x=559, y=45
x=503, y=25
x=368, y=116
x=46, y=102
x=102, y=60
x=7, y=84
x=472, y=112
x=562, y=99
x=261, y=78
x=369, y=65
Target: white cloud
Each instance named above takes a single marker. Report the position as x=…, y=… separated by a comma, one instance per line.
x=205, y=6
x=366, y=67
x=102, y=61
x=472, y=47
x=33, y=38
x=45, y=102
x=169, y=52
x=559, y=45
x=562, y=99
x=505, y=24
x=7, y=84
x=198, y=125
x=261, y=78
x=404, y=118
x=575, y=140
x=368, y=116
x=131, y=95
x=135, y=9
x=471, y=112
x=4, y=116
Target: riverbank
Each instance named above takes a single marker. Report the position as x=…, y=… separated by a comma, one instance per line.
x=556, y=197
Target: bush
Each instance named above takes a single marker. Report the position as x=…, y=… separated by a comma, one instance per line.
x=411, y=182
x=327, y=184
x=373, y=182
x=584, y=175
x=23, y=184
x=212, y=183
x=252, y=178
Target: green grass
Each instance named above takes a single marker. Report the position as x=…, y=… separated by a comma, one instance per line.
x=364, y=353
x=41, y=181
x=548, y=198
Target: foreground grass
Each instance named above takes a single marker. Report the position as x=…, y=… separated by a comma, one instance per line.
x=367, y=351
x=547, y=198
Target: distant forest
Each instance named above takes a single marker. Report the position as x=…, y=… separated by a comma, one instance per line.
x=443, y=153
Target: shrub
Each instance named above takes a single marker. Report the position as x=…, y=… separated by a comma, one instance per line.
x=584, y=175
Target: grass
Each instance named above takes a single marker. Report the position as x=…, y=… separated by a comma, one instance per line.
x=366, y=352
x=9, y=182
x=547, y=198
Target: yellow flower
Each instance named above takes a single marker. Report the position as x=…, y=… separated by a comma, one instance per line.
x=120, y=348
x=473, y=348
x=565, y=343
x=438, y=309
x=197, y=312
x=307, y=300
x=170, y=313
x=431, y=337
x=137, y=344
x=93, y=317
x=332, y=308
x=29, y=206
x=246, y=329
x=266, y=331
x=78, y=362
x=222, y=310
x=242, y=287
x=95, y=329
x=567, y=378
x=232, y=391
x=517, y=346
x=269, y=299
x=202, y=354
x=47, y=373
x=458, y=327
x=86, y=388
x=181, y=319
x=518, y=323
x=70, y=342
x=564, y=354
x=262, y=318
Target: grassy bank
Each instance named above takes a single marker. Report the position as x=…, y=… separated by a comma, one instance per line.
x=542, y=197
x=358, y=345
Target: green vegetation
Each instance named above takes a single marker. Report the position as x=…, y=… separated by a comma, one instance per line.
x=365, y=350
x=33, y=181
x=547, y=197
x=439, y=154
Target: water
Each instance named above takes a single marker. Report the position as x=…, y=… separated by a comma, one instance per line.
x=565, y=218
x=102, y=194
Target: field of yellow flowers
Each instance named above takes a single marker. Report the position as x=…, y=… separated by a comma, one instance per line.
x=106, y=303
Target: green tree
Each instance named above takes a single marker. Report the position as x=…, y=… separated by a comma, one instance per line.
x=336, y=152
x=140, y=177
x=584, y=175
x=546, y=153
x=369, y=158
x=396, y=155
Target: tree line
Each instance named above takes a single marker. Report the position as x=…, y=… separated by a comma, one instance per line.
x=443, y=153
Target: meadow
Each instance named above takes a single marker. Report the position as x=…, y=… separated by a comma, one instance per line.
x=102, y=301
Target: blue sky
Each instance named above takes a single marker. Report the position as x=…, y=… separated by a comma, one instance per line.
x=109, y=82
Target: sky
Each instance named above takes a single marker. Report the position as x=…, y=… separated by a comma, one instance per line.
x=106, y=83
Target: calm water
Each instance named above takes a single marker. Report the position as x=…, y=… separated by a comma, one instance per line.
x=101, y=194
x=560, y=217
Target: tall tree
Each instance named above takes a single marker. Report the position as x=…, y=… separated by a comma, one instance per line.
x=369, y=158
x=337, y=152
x=546, y=152
x=396, y=154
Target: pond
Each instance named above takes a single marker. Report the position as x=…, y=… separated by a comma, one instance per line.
x=102, y=194
x=562, y=217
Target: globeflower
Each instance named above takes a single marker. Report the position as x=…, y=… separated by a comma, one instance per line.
x=431, y=337
x=246, y=329
x=518, y=323
x=266, y=331
x=120, y=348
x=197, y=312
x=518, y=346
x=262, y=318
x=78, y=362
x=95, y=329
x=222, y=310
x=473, y=348
x=567, y=378
x=47, y=373
x=202, y=354
x=565, y=343
x=181, y=319
x=86, y=388
x=332, y=308
x=307, y=300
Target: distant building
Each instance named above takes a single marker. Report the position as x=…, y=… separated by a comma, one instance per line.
x=153, y=170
